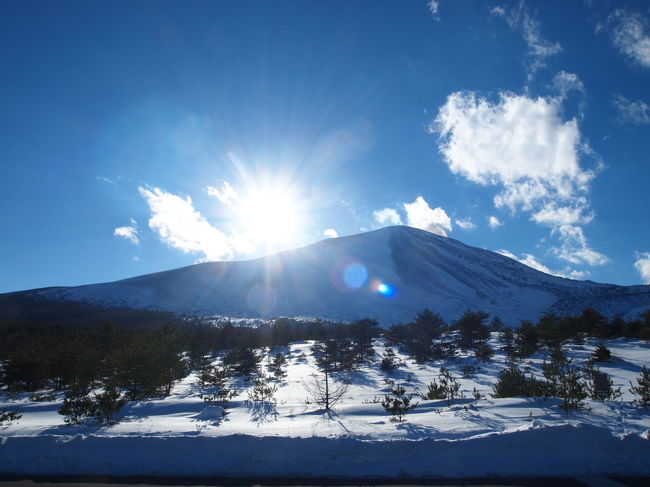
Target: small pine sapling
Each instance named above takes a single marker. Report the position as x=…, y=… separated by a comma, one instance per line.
x=108, y=404
x=389, y=360
x=642, y=389
x=484, y=352
x=278, y=366
x=77, y=407
x=448, y=388
x=600, y=385
x=263, y=390
x=602, y=354
x=216, y=386
x=469, y=370
x=399, y=405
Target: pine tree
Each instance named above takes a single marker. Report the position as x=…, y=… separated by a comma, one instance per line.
x=642, y=389
x=565, y=381
x=277, y=365
x=262, y=390
x=389, y=360
x=472, y=328
x=447, y=389
x=108, y=404
x=399, y=405
x=77, y=407
x=602, y=353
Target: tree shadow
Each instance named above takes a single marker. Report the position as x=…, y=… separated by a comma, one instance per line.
x=262, y=411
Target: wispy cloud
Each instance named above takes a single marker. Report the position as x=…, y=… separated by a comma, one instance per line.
x=224, y=192
x=465, y=224
x=180, y=226
x=642, y=265
x=129, y=232
x=539, y=49
x=564, y=83
x=105, y=179
x=532, y=261
x=635, y=112
x=434, y=8
x=523, y=146
x=331, y=233
x=630, y=35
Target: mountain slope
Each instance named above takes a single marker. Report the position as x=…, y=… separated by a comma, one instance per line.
x=338, y=279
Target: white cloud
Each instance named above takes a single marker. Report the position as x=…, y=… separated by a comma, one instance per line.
x=420, y=215
x=494, y=222
x=465, y=224
x=331, y=233
x=180, y=226
x=630, y=35
x=564, y=82
x=129, y=232
x=523, y=146
x=135, y=258
x=532, y=261
x=434, y=7
x=642, y=265
x=387, y=216
x=636, y=112
x=539, y=49
x=517, y=141
x=225, y=193
x=575, y=248
x=551, y=214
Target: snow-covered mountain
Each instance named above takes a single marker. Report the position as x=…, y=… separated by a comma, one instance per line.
x=388, y=274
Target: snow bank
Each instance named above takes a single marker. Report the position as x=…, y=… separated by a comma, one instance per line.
x=537, y=450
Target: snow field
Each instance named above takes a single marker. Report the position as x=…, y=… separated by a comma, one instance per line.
x=513, y=436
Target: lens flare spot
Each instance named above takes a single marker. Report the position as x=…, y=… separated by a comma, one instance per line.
x=355, y=275
x=383, y=288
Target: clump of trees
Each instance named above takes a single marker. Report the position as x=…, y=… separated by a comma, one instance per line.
x=79, y=406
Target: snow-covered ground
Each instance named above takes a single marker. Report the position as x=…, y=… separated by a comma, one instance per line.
x=515, y=436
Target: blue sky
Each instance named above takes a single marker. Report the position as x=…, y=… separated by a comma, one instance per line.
x=142, y=136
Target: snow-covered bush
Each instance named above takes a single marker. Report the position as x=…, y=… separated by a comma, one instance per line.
x=9, y=416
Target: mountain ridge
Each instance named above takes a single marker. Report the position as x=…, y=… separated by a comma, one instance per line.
x=388, y=274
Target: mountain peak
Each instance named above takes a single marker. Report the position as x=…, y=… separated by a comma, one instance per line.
x=388, y=274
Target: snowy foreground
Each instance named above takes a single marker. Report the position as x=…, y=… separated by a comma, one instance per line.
x=508, y=437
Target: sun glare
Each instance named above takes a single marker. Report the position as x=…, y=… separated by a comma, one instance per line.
x=271, y=215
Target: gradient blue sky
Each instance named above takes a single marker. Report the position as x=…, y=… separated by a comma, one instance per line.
x=142, y=136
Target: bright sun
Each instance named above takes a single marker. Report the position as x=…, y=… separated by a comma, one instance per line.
x=272, y=215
